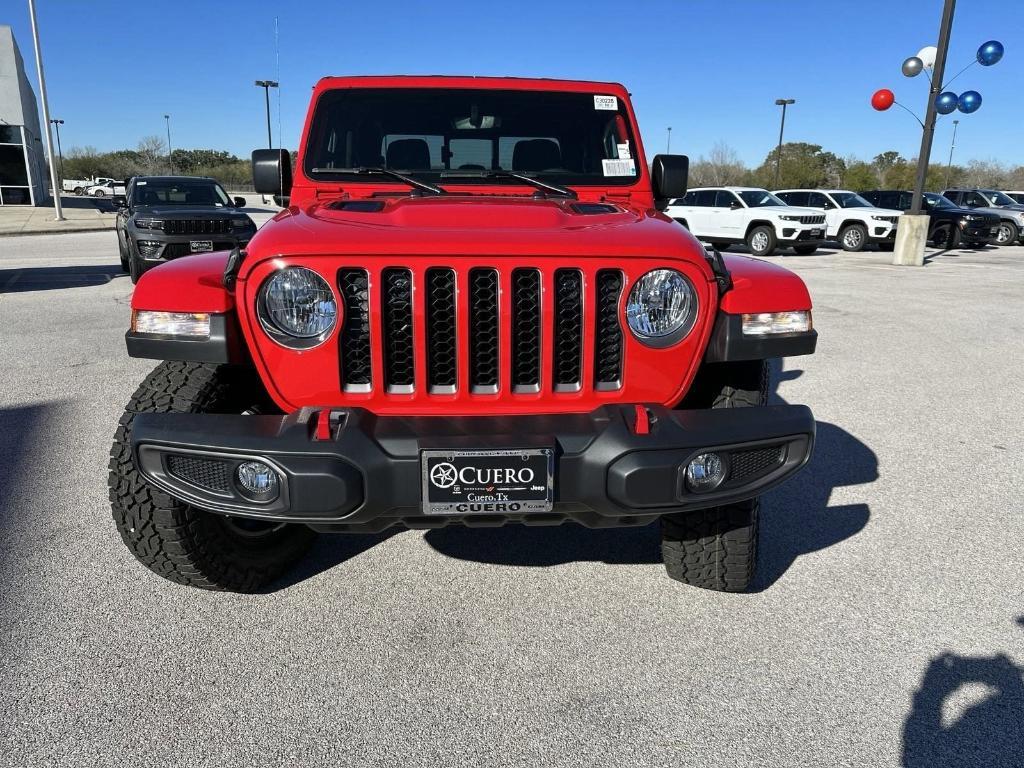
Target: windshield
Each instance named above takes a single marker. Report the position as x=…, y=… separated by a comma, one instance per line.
x=937, y=201
x=427, y=133
x=759, y=198
x=156, y=192
x=998, y=198
x=850, y=200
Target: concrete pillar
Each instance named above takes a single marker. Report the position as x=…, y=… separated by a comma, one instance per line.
x=911, y=237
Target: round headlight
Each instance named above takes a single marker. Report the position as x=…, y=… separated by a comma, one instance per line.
x=662, y=308
x=297, y=307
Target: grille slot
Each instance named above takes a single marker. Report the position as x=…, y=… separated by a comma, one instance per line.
x=197, y=226
x=608, y=331
x=526, y=330
x=568, y=341
x=354, y=343
x=748, y=465
x=441, y=347
x=483, y=330
x=396, y=313
x=211, y=474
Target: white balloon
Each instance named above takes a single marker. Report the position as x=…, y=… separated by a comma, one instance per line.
x=927, y=56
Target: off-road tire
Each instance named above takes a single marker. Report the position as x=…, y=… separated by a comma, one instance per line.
x=178, y=541
x=853, y=237
x=804, y=250
x=771, y=241
x=1007, y=234
x=716, y=548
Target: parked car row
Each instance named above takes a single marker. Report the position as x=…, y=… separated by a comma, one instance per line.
x=804, y=219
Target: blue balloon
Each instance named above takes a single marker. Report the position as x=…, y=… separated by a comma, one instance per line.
x=968, y=102
x=945, y=102
x=989, y=53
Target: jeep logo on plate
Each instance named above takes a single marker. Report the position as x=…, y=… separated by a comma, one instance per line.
x=487, y=481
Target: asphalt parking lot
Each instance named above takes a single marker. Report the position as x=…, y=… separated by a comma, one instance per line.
x=886, y=626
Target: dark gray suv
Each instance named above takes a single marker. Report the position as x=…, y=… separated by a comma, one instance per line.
x=167, y=217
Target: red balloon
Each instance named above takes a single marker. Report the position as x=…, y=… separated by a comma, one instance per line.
x=883, y=99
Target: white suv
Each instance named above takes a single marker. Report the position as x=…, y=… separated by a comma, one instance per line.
x=726, y=215
x=851, y=220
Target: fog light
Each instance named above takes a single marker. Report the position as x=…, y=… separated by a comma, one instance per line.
x=193, y=324
x=769, y=323
x=705, y=472
x=257, y=479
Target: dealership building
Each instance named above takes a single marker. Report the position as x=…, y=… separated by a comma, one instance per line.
x=22, y=161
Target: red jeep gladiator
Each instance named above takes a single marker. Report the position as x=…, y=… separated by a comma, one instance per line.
x=471, y=310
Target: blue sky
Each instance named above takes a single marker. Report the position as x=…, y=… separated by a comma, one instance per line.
x=711, y=70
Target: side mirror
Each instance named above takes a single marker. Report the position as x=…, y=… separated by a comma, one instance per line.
x=669, y=175
x=119, y=201
x=734, y=205
x=828, y=206
x=239, y=202
x=272, y=171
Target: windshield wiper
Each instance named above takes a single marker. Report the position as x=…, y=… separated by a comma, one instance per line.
x=380, y=171
x=554, y=189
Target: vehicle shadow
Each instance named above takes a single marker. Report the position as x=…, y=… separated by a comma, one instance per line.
x=56, y=278
x=81, y=202
x=329, y=551
x=20, y=428
x=797, y=519
x=967, y=713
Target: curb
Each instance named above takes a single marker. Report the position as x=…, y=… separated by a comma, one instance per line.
x=67, y=231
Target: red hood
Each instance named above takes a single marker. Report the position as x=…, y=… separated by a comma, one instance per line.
x=473, y=225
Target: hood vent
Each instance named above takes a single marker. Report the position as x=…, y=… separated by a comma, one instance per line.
x=357, y=206
x=592, y=209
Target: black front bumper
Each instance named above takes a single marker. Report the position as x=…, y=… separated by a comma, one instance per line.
x=361, y=473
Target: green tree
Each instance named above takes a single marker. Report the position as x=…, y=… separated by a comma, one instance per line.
x=859, y=176
x=801, y=165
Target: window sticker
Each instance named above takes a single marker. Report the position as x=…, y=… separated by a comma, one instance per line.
x=606, y=102
x=141, y=183
x=618, y=167
x=624, y=151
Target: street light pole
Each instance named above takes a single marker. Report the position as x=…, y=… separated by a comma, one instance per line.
x=949, y=165
x=266, y=85
x=170, y=162
x=912, y=233
x=57, y=210
x=57, y=124
x=778, y=152
x=668, y=143
x=938, y=73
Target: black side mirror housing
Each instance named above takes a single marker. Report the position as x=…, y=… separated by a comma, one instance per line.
x=119, y=201
x=272, y=172
x=735, y=205
x=669, y=175
x=239, y=202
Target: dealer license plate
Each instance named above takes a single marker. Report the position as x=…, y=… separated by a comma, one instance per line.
x=201, y=246
x=815, y=233
x=487, y=482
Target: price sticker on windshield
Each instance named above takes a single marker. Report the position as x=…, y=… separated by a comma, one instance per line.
x=618, y=167
x=606, y=102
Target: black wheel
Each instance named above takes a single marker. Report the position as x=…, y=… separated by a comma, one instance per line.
x=804, y=250
x=716, y=548
x=79, y=190
x=853, y=237
x=761, y=240
x=1007, y=234
x=99, y=193
x=135, y=268
x=125, y=255
x=946, y=236
x=175, y=540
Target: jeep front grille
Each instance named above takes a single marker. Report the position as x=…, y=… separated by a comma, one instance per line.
x=197, y=226
x=811, y=219
x=481, y=330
